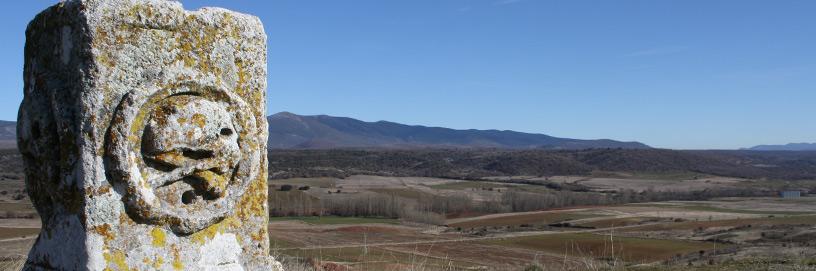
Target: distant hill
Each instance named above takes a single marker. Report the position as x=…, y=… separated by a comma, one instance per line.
x=8, y=130
x=479, y=163
x=291, y=131
x=8, y=134
x=786, y=147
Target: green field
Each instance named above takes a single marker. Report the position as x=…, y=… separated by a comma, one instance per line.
x=336, y=220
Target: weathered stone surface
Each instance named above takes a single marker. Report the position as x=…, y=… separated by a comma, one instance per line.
x=144, y=137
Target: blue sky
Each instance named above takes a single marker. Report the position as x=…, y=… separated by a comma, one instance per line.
x=695, y=74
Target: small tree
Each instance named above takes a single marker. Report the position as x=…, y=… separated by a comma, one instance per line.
x=286, y=187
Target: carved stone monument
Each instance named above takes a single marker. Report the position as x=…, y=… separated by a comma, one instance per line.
x=143, y=133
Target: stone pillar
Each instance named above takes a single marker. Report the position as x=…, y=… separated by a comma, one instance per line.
x=143, y=133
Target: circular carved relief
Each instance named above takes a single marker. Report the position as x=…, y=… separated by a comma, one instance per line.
x=185, y=154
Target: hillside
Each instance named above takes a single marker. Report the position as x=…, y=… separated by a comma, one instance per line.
x=291, y=131
x=473, y=164
x=786, y=147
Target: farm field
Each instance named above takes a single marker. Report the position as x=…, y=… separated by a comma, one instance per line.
x=469, y=233
x=647, y=234
x=636, y=238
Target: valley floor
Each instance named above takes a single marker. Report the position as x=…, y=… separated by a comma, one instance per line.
x=737, y=233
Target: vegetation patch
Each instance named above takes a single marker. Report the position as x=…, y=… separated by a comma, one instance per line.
x=522, y=219
x=322, y=182
x=618, y=222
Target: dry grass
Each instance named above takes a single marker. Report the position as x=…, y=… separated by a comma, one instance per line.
x=402, y=192
x=7, y=233
x=12, y=263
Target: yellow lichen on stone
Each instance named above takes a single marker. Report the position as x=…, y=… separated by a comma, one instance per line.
x=215, y=181
x=157, y=264
x=260, y=235
x=254, y=200
x=209, y=233
x=158, y=237
x=117, y=259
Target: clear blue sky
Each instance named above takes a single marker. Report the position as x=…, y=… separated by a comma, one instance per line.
x=675, y=74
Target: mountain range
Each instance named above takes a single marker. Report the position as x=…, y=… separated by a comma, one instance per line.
x=291, y=131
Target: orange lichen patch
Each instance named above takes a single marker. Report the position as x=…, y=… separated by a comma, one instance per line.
x=174, y=157
x=103, y=189
x=158, y=237
x=259, y=236
x=125, y=220
x=105, y=231
x=199, y=120
x=99, y=191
